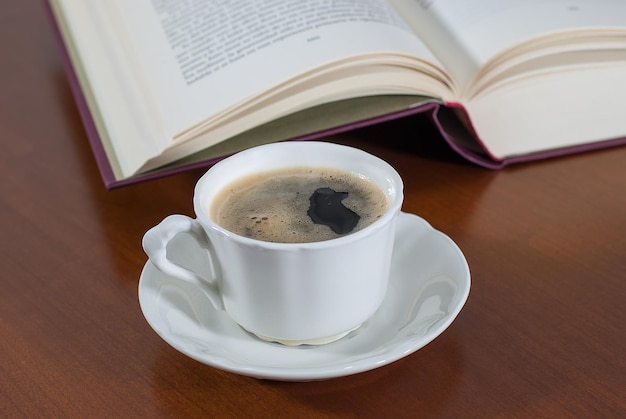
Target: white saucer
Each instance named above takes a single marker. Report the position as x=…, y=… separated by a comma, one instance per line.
x=429, y=284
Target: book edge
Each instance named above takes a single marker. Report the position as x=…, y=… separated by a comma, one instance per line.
x=106, y=171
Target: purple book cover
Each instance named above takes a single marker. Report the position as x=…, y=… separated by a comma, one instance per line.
x=454, y=133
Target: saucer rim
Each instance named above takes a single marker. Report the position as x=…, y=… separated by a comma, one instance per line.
x=312, y=372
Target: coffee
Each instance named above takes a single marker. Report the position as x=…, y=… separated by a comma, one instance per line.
x=297, y=205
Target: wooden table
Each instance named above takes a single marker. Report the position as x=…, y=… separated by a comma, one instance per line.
x=542, y=333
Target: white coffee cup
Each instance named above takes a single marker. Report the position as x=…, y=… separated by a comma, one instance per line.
x=292, y=293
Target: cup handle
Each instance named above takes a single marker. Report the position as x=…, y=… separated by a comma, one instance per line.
x=155, y=245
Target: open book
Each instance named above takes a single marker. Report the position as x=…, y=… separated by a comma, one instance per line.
x=165, y=84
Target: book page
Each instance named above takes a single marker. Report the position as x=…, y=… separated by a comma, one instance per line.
x=199, y=58
x=576, y=108
x=485, y=28
x=439, y=39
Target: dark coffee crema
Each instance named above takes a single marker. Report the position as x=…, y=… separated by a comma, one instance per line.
x=298, y=205
x=326, y=208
